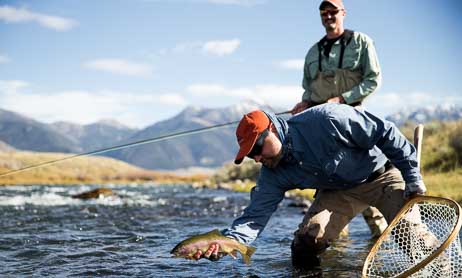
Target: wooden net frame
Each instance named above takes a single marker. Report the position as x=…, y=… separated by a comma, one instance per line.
x=422, y=240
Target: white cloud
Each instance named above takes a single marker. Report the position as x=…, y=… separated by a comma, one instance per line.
x=183, y=47
x=83, y=107
x=172, y=99
x=275, y=95
x=4, y=59
x=294, y=64
x=214, y=47
x=221, y=48
x=206, y=89
x=16, y=15
x=386, y=103
x=12, y=86
x=120, y=66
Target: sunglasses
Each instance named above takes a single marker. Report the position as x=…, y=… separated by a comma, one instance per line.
x=329, y=12
x=258, y=146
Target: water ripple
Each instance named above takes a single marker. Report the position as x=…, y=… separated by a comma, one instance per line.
x=46, y=233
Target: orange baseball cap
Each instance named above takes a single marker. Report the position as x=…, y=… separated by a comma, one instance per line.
x=336, y=3
x=248, y=130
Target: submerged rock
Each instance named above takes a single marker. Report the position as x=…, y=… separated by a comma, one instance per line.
x=95, y=194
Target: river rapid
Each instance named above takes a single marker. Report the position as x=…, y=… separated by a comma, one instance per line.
x=46, y=233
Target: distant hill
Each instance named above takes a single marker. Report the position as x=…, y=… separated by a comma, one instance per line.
x=27, y=134
x=95, y=136
x=427, y=114
x=4, y=147
x=24, y=133
x=208, y=149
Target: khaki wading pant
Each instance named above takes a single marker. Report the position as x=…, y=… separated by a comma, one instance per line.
x=331, y=84
x=332, y=210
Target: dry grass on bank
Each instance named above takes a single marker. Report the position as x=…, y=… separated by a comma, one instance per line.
x=80, y=170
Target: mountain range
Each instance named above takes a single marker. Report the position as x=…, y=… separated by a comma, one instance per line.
x=210, y=148
x=427, y=114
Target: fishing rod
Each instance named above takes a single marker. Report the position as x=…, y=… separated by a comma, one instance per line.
x=127, y=145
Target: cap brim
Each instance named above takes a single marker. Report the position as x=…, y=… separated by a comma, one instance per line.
x=238, y=161
x=245, y=150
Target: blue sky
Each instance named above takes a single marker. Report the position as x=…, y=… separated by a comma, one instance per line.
x=141, y=61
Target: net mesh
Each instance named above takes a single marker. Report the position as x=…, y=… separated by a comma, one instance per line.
x=422, y=230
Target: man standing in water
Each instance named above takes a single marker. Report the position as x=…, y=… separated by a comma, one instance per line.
x=341, y=151
x=341, y=68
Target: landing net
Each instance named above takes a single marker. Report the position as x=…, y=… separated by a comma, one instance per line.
x=422, y=241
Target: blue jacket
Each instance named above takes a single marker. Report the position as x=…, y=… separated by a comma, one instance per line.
x=330, y=146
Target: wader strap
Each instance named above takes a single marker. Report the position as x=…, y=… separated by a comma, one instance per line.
x=344, y=41
x=347, y=36
x=320, y=55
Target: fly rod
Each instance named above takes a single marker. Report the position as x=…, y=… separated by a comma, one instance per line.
x=127, y=145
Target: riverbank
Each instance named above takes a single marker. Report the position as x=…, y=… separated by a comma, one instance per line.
x=447, y=185
x=81, y=170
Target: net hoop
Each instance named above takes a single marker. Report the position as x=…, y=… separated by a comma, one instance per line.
x=399, y=217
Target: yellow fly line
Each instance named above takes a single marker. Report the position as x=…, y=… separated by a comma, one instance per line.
x=421, y=241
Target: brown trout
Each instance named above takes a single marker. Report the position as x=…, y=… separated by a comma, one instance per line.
x=188, y=247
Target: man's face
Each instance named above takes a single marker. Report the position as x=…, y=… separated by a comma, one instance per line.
x=332, y=18
x=271, y=152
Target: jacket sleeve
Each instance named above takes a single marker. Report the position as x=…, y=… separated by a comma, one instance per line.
x=361, y=129
x=370, y=68
x=311, y=59
x=264, y=200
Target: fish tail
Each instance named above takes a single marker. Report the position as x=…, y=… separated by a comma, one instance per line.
x=247, y=254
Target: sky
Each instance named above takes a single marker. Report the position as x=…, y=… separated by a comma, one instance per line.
x=142, y=61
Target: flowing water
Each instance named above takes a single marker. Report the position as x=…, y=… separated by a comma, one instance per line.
x=46, y=233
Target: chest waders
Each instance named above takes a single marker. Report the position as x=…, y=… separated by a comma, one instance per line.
x=329, y=84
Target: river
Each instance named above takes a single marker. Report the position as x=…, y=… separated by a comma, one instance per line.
x=46, y=233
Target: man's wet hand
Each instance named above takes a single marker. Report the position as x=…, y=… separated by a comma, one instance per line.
x=414, y=189
x=211, y=254
x=338, y=99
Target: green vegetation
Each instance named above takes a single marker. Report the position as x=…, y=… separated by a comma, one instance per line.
x=81, y=170
x=441, y=163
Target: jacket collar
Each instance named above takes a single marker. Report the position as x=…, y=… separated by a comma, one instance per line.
x=280, y=124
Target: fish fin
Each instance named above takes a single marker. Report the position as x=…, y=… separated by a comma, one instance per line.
x=233, y=254
x=214, y=232
x=248, y=254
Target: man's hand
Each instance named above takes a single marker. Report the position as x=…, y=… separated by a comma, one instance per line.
x=211, y=254
x=299, y=107
x=338, y=99
x=414, y=188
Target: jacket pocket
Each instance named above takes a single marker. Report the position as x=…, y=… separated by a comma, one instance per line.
x=352, y=58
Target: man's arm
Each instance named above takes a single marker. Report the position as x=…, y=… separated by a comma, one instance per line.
x=305, y=103
x=364, y=130
x=307, y=79
x=264, y=200
x=370, y=68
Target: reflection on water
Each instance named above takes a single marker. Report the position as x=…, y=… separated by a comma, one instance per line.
x=45, y=232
